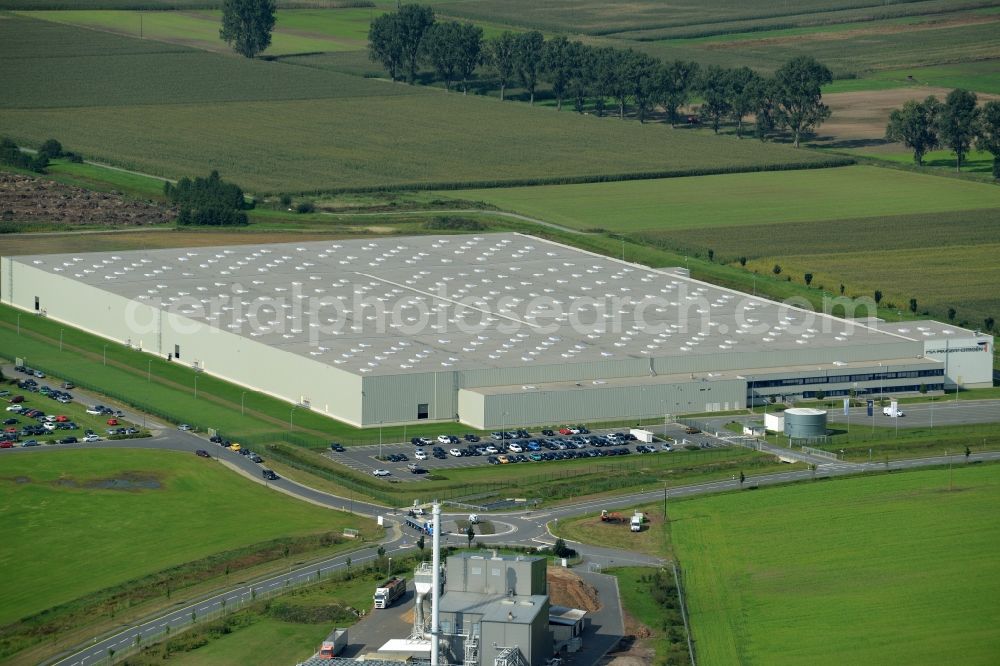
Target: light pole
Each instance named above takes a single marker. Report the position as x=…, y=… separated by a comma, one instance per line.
x=243, y=411
x=19, y=323
x=149, y=371
x=390, y=569
x=290, y=413
x=196, y=386
x=60, y=338
x=105, y=354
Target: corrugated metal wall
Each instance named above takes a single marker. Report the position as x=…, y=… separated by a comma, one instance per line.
x=394, y=398
x=594, y=404
x=261, y=367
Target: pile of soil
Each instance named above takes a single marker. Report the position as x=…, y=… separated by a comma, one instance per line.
x=36, y=200
x=568, y=589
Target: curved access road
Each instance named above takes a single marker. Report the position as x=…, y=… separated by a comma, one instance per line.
x=526, y=528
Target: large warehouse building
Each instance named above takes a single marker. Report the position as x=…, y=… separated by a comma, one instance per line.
x=490, y=330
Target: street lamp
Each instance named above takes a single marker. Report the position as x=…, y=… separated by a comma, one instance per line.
x=19, y=323
x=105, y=354
x=290, y=413
x=390, y=568
x=243, y=411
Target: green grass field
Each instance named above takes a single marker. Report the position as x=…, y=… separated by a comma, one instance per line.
x=383, y=141
x=959, y=276
x=295, y=31
x=266, y=641
x=171, y=111
x=852, y=38
x=977, y=162
x=882, y=569
x=941, y=259
x=741, y=199
x=60, y=520
x=980, y=76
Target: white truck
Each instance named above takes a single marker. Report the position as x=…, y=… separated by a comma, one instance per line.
x=635, y=525
x=389, y=591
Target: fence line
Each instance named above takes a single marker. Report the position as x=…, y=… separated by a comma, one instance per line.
x=684, y=615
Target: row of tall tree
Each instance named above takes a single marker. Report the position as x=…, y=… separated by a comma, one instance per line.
x=403, y=40
x=958, y=123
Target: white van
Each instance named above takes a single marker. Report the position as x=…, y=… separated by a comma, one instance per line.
x=888, y=411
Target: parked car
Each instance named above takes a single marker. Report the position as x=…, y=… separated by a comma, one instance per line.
x=39, y=374
x=17, y=399
x=469, y=437
x=30, y=442
x=203, y=453
x=381, y=472
x=256, y=458
x=184, y=426
x=419, y=454
x=548, y=433
x=515, y=447
x=336, y=447
x=456, y=452
x=95, y=410
x=113, y=421
x=91, y=438
x=68, y=440
x=426, y=441
x=691, y=430
x=6, y=444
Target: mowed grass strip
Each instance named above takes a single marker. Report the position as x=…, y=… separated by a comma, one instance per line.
x=731, y=200
x=77, y=521
x=429, y=139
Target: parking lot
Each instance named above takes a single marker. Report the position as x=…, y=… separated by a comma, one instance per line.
x=551, y=449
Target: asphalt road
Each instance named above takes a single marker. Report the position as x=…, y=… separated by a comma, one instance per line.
x=516, y=528
x=521, y=528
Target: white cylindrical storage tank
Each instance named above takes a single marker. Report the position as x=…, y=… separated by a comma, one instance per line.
x=805, y=423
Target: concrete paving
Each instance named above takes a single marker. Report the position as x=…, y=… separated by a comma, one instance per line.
x=605, y=627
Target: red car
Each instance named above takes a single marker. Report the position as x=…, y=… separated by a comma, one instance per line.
x=565, y=431
x=112, y=421
x=62, y=419
x=6, y=445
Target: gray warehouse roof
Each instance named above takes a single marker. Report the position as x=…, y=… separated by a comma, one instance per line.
x=432, y=303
